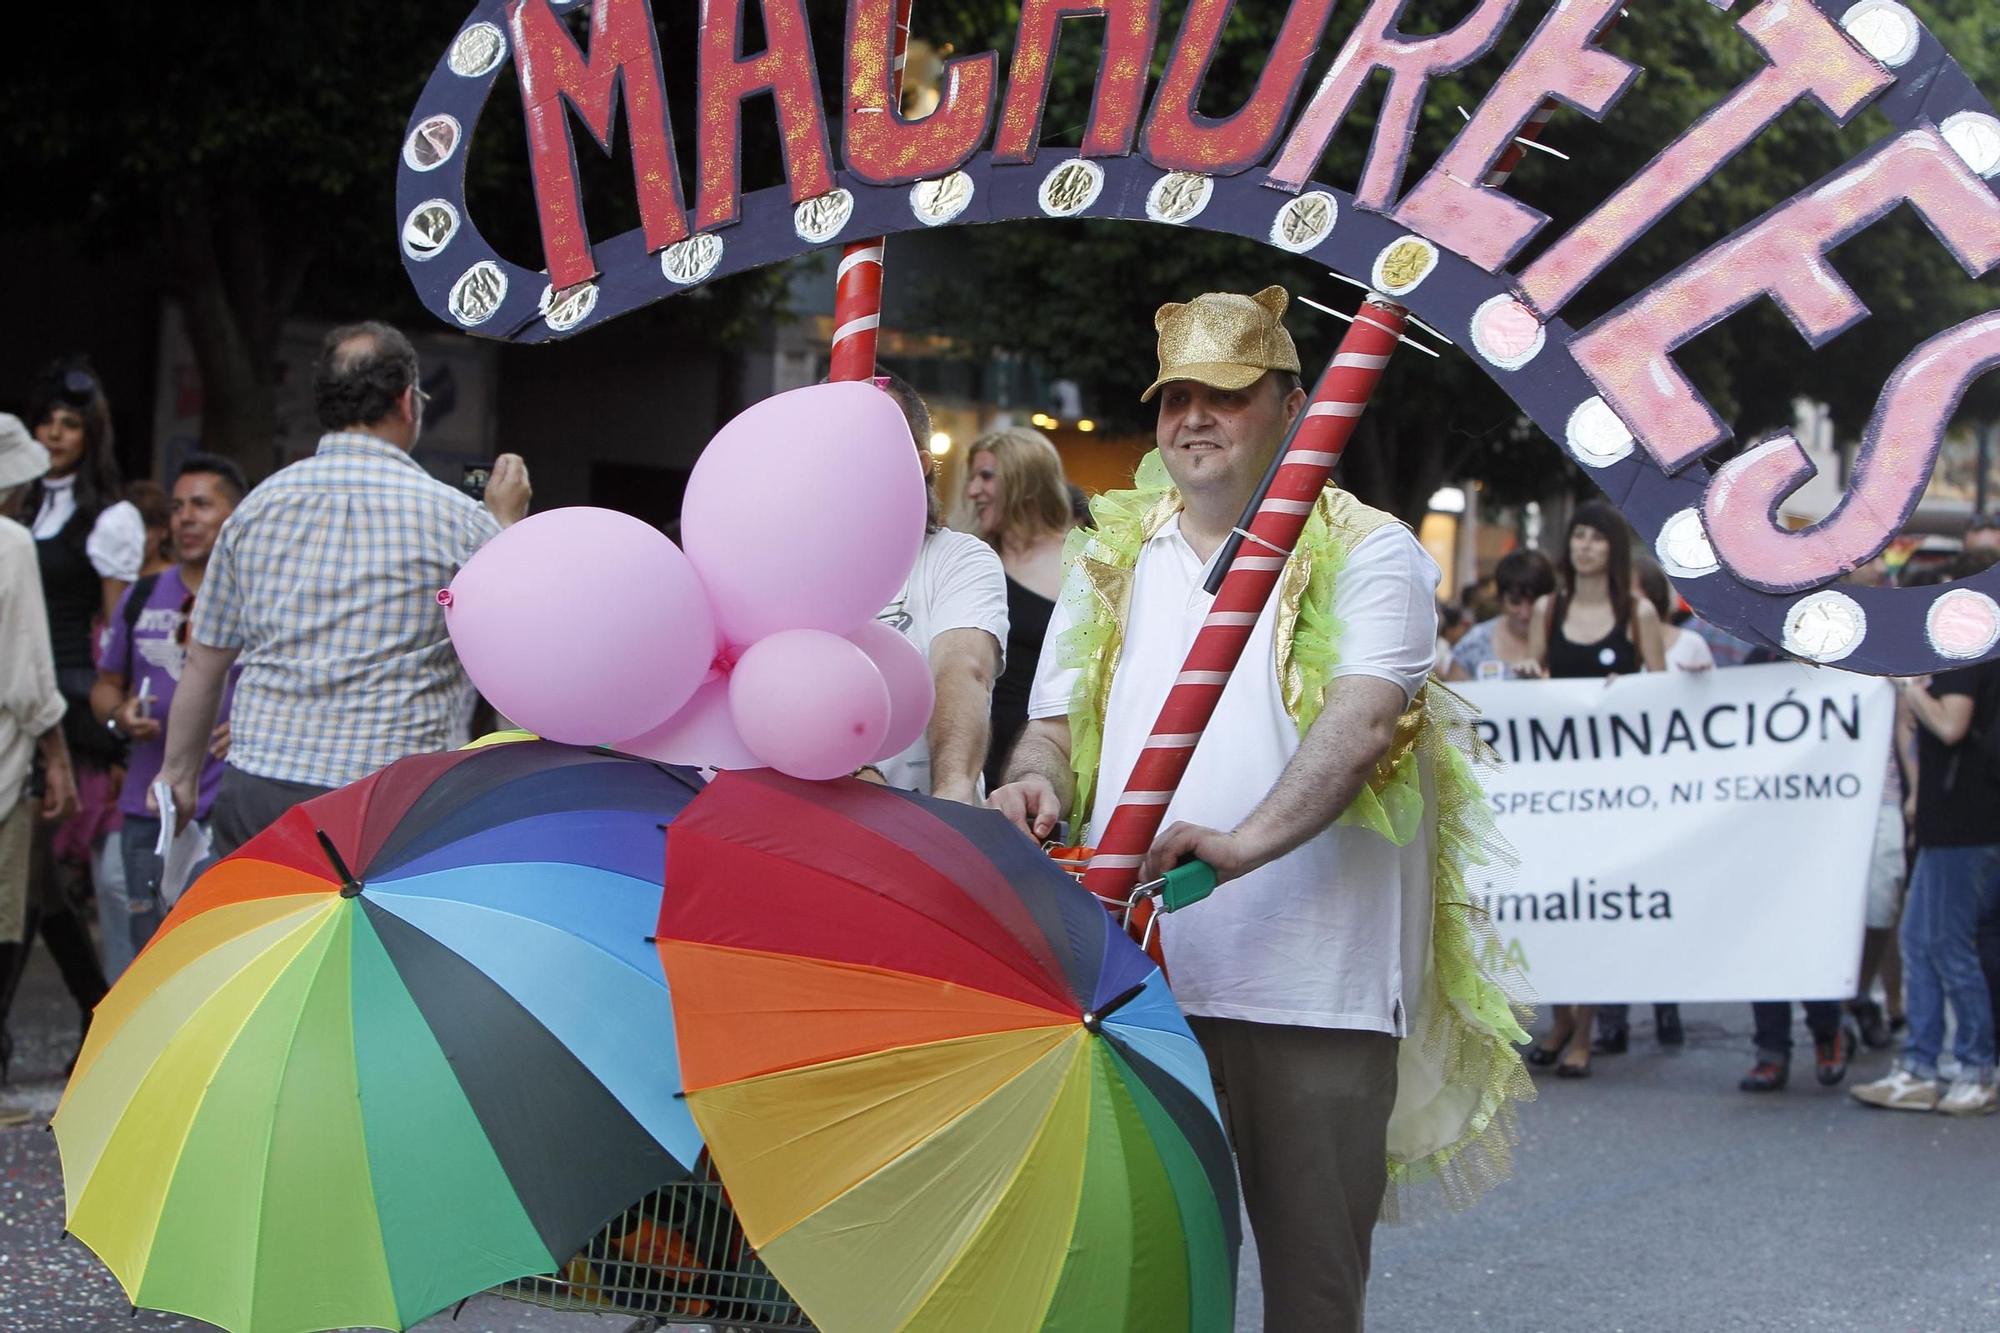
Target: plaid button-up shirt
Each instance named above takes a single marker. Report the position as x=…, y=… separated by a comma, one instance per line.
x=326, y=579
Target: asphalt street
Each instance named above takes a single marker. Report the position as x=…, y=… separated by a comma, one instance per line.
x=1650, y=1196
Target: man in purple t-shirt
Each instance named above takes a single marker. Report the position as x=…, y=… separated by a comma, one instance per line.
x=138, y=665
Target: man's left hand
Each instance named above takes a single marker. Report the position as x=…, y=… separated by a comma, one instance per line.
x=218, y=741
x=1227, y=852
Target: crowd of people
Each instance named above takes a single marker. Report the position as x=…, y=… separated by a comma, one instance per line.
x=1932, y=923
x=231, y=651
x=239, y=650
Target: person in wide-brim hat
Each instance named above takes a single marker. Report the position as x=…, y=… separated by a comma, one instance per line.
x=22, y=458
x=31, y=712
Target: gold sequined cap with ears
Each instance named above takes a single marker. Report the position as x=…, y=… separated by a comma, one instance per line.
x=1224, y=340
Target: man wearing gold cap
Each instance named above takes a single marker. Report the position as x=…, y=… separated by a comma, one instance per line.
x=1326, y=794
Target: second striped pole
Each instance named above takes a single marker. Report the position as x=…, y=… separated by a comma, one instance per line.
x=857, y=287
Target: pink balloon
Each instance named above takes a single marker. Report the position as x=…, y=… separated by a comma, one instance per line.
x=907, y=673
x=809, y=703
x=806, y=512
x=701, y=734
x=582, y=624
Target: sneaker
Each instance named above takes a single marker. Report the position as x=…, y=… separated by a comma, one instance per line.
x=1830, y=1057
x=10, y=1114
x=1667, y=1025
x=1970, y=1097
x=1900, y=1091
x=1875, y=1032
x=1766, y=1076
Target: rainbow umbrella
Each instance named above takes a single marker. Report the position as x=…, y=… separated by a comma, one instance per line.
x=944, y=1090
x=395, y=1050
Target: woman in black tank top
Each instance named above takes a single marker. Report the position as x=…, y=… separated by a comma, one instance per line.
x=1591, y=625
x=1019, y=504
x=1612, y=655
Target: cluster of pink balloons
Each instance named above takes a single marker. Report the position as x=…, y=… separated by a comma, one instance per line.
x=757, y=646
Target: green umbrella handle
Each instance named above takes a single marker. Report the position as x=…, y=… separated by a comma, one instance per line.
x=1187, y=883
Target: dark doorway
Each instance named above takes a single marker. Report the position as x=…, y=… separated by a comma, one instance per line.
x=651, y=493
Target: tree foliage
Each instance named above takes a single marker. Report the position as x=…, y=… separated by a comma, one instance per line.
x=1094, y=286
x=249, y=153
x=237, y=151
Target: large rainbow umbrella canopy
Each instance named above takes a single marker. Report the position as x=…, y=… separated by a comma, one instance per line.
x=944, y=1089
x=398, y=1048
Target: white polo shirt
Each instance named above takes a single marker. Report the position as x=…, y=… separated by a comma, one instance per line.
x=1325, y=936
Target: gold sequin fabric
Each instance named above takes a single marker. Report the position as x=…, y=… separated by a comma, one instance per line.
x=1224, y=339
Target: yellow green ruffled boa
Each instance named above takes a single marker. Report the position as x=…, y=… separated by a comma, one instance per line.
x=1460, y=1074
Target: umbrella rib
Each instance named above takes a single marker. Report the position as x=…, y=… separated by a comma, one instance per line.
x=1014, y=1174
x=167, y=1187
x=1036, y=979
x=966, y=845
x=1119, y=1001
x=271, y=1126
x=383, y=894
x=692, y=784
x=166, y=1192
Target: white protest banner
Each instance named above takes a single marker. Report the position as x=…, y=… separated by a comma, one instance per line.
x=1686, y=836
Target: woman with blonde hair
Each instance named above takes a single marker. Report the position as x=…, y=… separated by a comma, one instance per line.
x=1017, y=501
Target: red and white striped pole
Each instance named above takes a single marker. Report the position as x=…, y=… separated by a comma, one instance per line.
x=1518, y=149
x=1338, y=401
x=857, y=288
x=857, y=310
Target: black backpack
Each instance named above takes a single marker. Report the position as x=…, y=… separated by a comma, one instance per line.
x=1982, y=739
x=136, y=598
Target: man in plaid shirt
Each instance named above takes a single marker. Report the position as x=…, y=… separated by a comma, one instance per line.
x=323, y=585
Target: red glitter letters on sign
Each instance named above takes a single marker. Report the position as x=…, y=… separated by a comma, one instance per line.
x=624, y=52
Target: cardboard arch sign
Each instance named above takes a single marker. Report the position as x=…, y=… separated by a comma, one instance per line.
x=1609, y=393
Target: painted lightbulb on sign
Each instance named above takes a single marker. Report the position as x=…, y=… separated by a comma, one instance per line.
x=1611, y=392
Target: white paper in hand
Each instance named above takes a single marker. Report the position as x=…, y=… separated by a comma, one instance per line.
x=163, y=801
x=179, y=853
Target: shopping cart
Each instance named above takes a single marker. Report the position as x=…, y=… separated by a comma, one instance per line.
x=676, y=1257
x=1139, y=911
